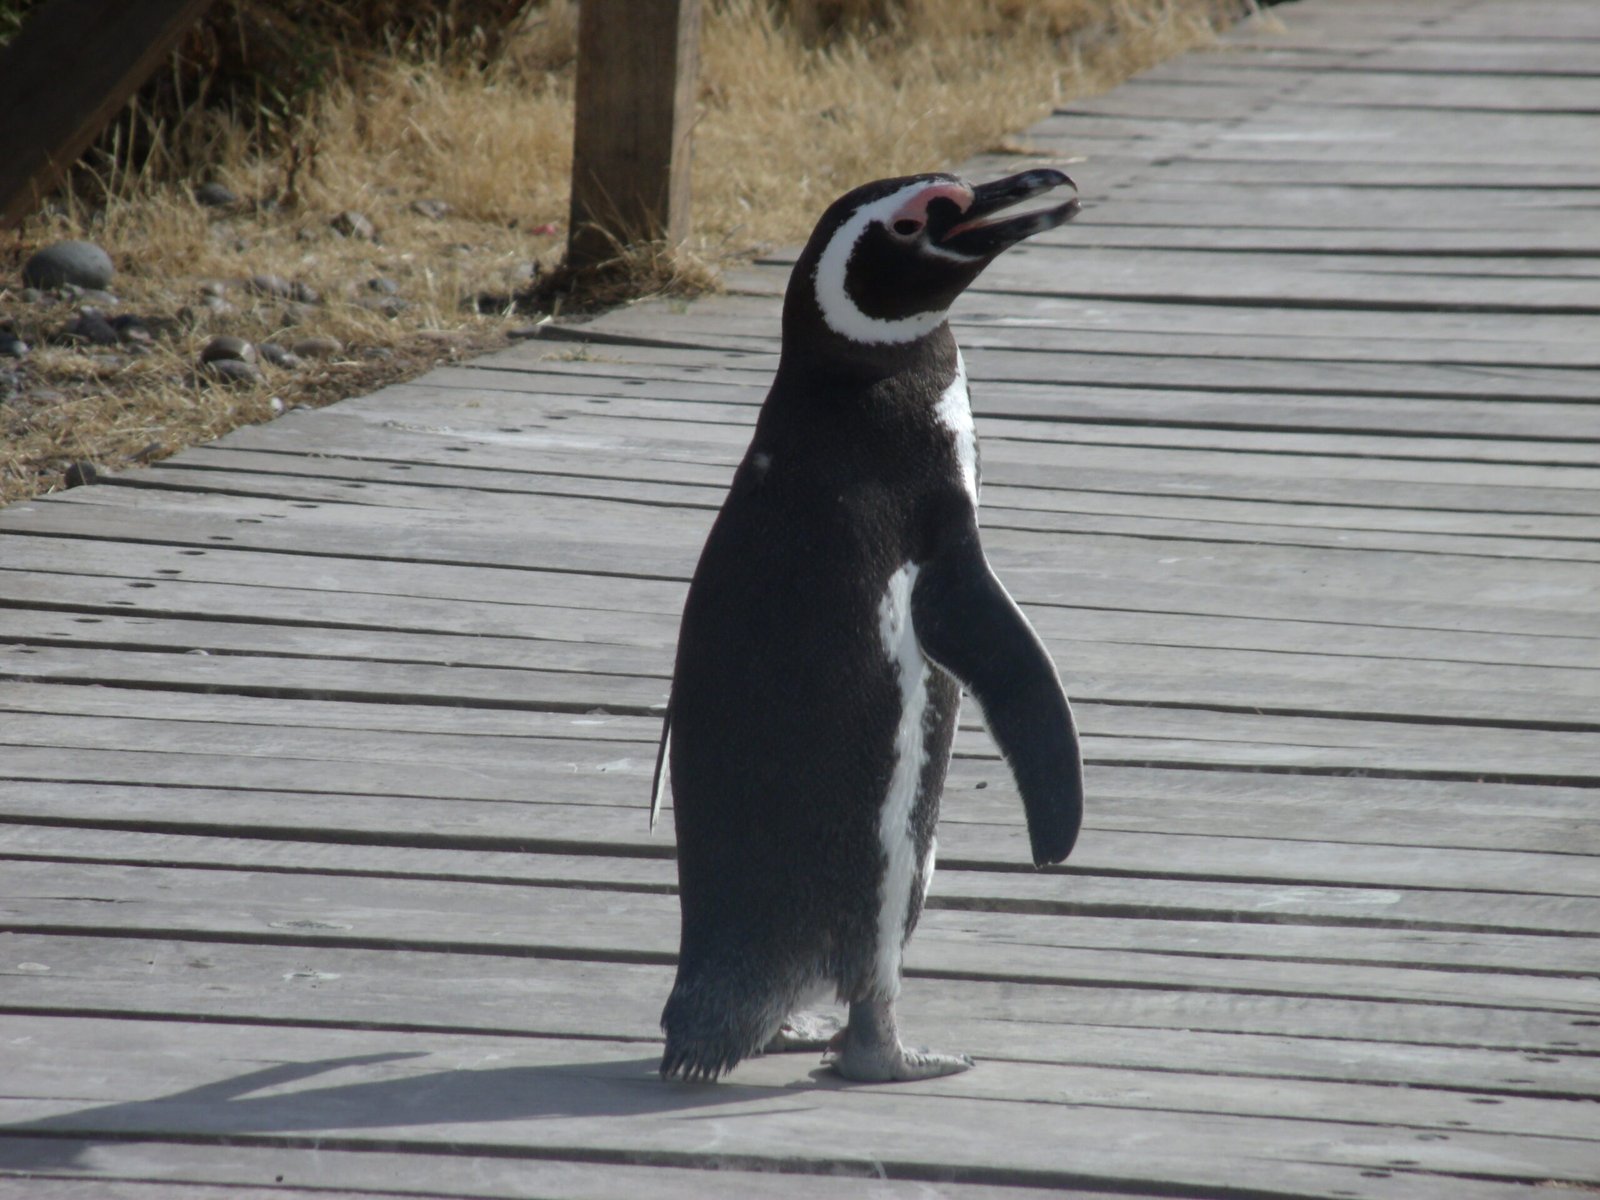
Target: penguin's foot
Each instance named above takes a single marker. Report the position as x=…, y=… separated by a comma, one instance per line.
x=805, y=1031
x=870, y=1051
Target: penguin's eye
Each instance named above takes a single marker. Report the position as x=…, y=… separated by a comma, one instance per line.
x=907, y=227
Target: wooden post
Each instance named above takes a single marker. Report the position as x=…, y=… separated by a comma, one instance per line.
x=638, y=61
x=65, y=75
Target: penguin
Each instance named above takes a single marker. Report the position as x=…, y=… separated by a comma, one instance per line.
x=840, y=605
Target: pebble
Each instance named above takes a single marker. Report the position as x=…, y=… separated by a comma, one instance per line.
x=97, y=298
x=214, y=195
x=278, y=356
x=296, y=314
x=213, y=287
x=383, y=285
x=318, y=347
x=30, y=295
x=217, y=305
x=90, y=325
x=233, y=370
x=352, y=224
x=11, y=346
x=270, y=285
x=276, y=404
x=304, y=293
x=132, y=330
x=80, y=473
x=389, y=306
x=75, y=262
x=225, y=347
x=434, y=210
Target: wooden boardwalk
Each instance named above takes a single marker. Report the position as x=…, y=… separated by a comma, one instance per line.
x=324, y=750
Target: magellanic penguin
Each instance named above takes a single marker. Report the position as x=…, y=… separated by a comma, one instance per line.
x=841, y=603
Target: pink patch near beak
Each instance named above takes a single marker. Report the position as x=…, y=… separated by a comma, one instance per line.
x=916, y=208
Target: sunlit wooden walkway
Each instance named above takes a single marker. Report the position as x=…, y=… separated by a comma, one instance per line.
x=324, y=750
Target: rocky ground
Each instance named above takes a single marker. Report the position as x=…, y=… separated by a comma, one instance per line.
x=102, y=370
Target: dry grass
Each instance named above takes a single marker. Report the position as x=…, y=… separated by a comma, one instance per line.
x=787, y=122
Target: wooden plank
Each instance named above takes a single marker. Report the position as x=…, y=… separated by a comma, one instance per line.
x=563, y=1096
x=99, y=1169
x=102, y=899
x=555, y=792
x=561, y=638
x=346, y=847
x=637, y=76
x=397, y=990
x=245, y=473
x=1310, y=531
x=52, y=115
x=572, y=676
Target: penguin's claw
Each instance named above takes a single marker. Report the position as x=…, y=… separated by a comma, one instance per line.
x=805, y=1031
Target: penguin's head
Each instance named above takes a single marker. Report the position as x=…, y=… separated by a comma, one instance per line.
x=888, y=259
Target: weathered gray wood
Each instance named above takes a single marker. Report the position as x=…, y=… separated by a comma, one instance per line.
x=109, y=1170
x=53, y=114
x=637, y=76
x=1290, y=455
x=1093, y=1025
x=446, y=916
x=343, y=847
x=557, y=1095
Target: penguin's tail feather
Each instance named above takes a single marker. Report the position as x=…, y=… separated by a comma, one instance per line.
x=715, y=1018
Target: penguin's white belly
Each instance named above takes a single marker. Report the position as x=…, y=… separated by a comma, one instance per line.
x=895, y=833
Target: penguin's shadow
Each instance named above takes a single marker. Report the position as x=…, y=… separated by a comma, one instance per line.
x=468, y=1095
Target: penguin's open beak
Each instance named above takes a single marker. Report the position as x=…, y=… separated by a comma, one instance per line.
x=979, y=233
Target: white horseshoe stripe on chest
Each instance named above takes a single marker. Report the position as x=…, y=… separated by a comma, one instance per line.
x=839, y=312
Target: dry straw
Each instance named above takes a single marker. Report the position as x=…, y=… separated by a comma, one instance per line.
x=797, y=103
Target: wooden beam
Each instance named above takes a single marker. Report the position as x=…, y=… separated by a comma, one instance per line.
x=637, y=69
x=65, y=75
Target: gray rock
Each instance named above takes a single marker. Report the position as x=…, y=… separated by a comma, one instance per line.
x=90, y=326
x=434, y=210
x=214, y=195
x=270, y=285
x=383, y=285
x=97, y=298
x=213, y=287
x=225, y=347
x=232, y=370
x=11, y=346
x=389, y=306
x=81, y=263
x=80, y=473
x=318, y=347
x=304, y=293
x=278, y=356
x=30, y=295
x=218, y=305
x=132, y=330
x=352, y=224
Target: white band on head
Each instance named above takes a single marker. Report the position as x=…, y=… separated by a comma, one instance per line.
x=839, y=312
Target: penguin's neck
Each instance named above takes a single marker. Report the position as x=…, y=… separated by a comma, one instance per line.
x=815, y=360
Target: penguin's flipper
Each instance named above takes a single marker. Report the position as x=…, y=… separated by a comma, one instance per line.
x=967, y=624
x=658, y=782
